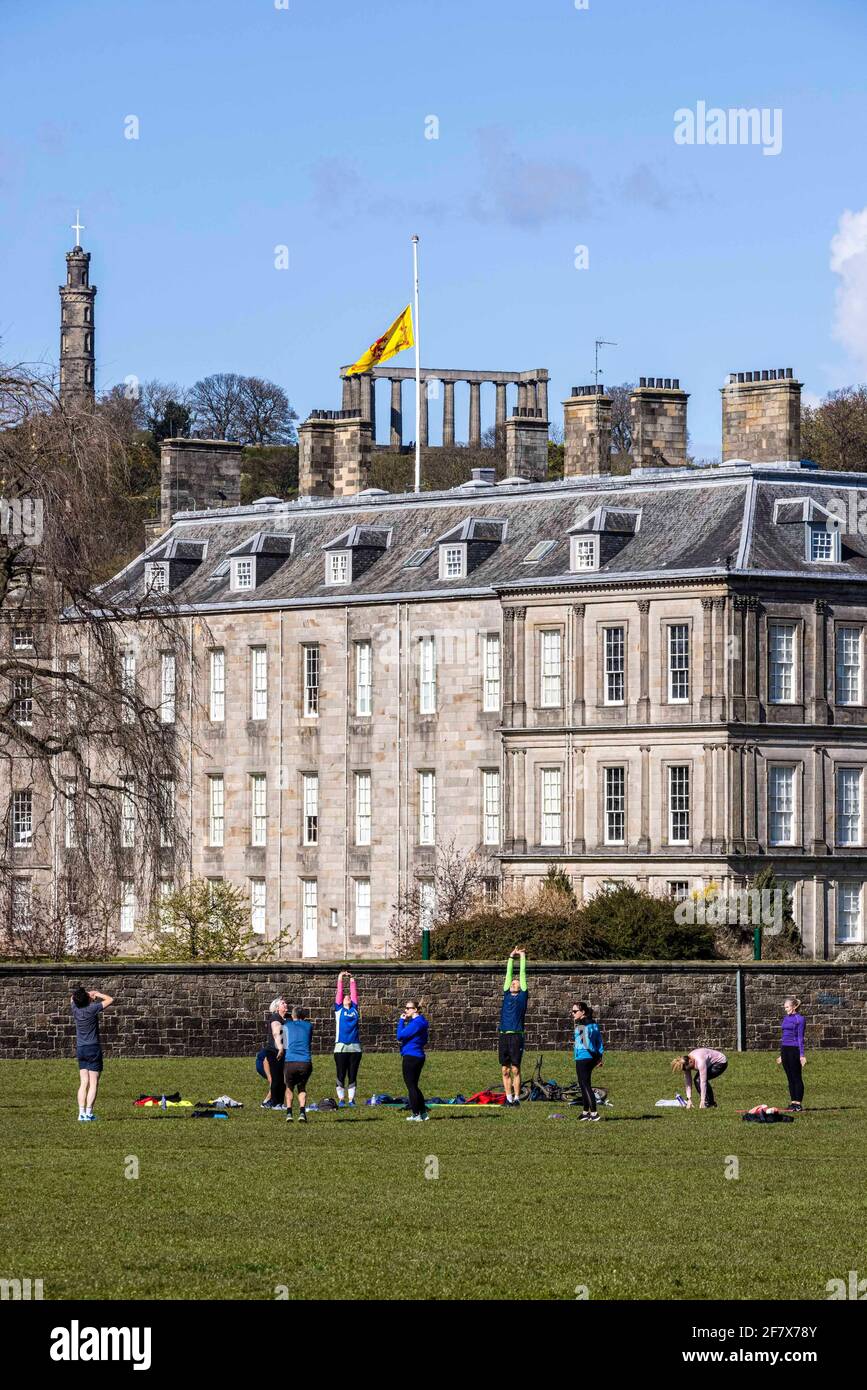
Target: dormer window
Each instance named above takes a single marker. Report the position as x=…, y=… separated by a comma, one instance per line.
x=157, y=577
x=824, y=544
x=585, y=553
x=453, y=561
x=243, y=576
x=338, y=567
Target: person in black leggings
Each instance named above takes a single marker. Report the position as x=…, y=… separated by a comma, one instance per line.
x=273, y=1058
x=588, y=1053
x=412, y=1031
x=792, y=1057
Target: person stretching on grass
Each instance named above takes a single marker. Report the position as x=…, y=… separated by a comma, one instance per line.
x=792, y=1057
x=347, y=1046
x=707, y=1063
x=86, y=1006
x=588, y=1054
x=511, y=1034
x=298, y=1064
x=412, y=1033
x=273, y=1058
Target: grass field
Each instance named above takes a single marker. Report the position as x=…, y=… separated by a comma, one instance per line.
x=524, y=1207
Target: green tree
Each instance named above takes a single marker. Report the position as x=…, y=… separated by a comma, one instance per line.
x=205, y=922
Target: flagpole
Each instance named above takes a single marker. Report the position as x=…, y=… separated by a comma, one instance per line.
x=417, y=370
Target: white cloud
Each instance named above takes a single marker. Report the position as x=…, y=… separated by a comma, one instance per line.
x=849, y=261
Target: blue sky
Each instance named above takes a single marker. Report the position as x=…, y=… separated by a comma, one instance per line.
x=305, y=127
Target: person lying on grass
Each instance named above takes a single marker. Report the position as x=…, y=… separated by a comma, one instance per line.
x=707, y=1063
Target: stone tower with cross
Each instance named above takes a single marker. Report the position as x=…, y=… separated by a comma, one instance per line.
x=77, y=328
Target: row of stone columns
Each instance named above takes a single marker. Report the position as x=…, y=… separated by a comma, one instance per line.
x=359, y=395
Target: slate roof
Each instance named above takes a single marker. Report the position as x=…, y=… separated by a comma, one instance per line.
x=709, y=521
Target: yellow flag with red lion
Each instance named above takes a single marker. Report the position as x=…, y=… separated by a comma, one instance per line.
x=393, y=341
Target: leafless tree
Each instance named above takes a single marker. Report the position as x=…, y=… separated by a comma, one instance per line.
x=454, y=888
x=87, y=756
x=265, y=415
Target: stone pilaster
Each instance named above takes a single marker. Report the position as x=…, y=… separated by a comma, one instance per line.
x=751, y=660
x=822, y=664
x=509, y=667
x=736, y=804
x=819, y=843
x=707, y=658
x=519, y=801
x=643, y=708
x=643, y=846
x=519, y=699
x=580, y=775
x=737, y=638
x=718, y=698
x=578, y=663
x=708, y=800
x=751, y=837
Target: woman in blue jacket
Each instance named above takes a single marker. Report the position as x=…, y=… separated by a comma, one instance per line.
x=412, y=1035
x=588, y=1054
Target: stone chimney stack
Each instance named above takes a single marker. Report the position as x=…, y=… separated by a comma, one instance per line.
x=198, y=473
x=761, y=416
x=587, y=432
x=334, y=450
x=527, y=444
x=658, y=410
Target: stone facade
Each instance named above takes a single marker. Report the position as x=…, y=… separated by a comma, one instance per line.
x=527, y=445
x=220, y=1011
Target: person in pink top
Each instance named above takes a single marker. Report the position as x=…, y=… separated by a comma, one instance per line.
x=347, y=1044
x=707, y=1064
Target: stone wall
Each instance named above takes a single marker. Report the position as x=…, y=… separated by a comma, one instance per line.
x=220, y=1010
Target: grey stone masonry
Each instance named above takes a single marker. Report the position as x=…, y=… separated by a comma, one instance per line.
x=527, y=446
x=334, y=448
x=658, y=411
x=761, y=416
x=198, y=473
x=587, y=432
x=77, y=353
x=220, y=1010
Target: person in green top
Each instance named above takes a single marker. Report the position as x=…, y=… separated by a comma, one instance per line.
x=511, y=1034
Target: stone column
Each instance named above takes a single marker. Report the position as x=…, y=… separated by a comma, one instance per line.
x=522, y=395
x=643, y=661
x=354, y=393
x=542, y=398
x=449, y=413
x=396, y=413
x=475, y=415
x=708, y=799
x=707, y=658
x=579, y=775
x=721, y=802
x=820, y=842
x=423, y=425
x=501, y=406
x=520, y=656
x=644, y=833
x=578, y=660
x=347, y=393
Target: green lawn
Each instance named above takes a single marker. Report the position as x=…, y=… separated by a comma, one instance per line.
x=525, y=1206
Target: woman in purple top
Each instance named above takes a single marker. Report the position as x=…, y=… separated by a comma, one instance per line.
x=792, y=1057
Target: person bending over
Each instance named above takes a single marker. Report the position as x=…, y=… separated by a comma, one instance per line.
x=707, y=1063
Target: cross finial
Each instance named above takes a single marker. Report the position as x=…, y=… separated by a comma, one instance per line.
x=78, y=226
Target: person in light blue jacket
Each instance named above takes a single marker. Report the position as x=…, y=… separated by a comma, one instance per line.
x=588, y=1054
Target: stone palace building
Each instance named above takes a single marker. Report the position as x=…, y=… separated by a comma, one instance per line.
x=656, y=678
